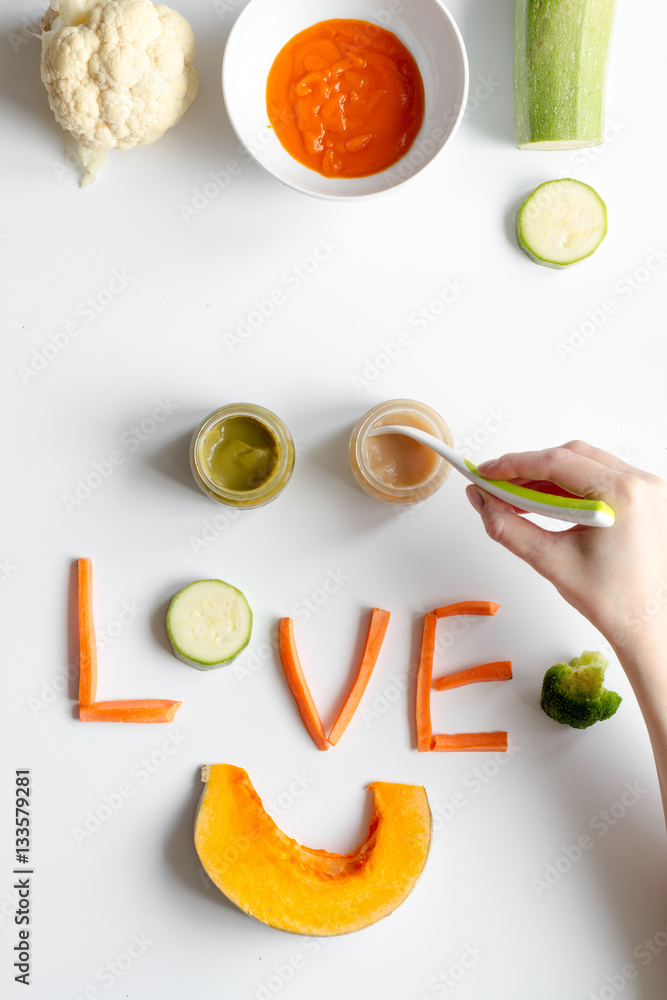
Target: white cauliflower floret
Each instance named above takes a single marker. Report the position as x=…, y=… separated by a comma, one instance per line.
x=118, y=73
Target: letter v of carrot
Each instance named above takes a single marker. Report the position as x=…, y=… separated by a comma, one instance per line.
x=296, y=681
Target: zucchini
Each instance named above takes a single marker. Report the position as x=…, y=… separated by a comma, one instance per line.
x=561, y=222
x=560, y=62
x=208, y=623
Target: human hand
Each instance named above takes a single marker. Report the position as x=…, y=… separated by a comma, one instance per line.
x=616, y=577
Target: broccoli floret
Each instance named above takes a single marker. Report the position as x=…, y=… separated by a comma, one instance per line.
x=574, y=694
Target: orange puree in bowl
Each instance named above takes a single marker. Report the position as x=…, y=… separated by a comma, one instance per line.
x=345, y=98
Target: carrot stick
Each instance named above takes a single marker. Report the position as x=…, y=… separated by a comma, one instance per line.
x=149, y=710
x=467, y=608
x=377, y=628
x=499, y=670
x=424, y=676
x=297, y=683
x=469, y=741
x=87, y=644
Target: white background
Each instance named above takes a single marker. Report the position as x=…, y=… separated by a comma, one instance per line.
x=165, y=339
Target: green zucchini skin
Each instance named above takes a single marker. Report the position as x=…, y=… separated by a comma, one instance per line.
x=561, y=50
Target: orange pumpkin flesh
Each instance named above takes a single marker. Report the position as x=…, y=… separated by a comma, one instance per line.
x=308, y=891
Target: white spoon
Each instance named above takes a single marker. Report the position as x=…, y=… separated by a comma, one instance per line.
x=578, y=510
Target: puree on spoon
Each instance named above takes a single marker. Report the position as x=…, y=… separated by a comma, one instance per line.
x=399, y=461
x=345, y=98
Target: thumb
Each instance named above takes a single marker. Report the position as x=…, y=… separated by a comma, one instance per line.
x=526, y=540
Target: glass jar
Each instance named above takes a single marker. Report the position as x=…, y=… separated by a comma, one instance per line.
x=242, y=455
x=395, y=468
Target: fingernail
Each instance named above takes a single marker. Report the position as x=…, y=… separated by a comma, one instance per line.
x=476, y=497
x=483, y=465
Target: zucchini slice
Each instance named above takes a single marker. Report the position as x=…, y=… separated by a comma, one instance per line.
x=208, y=623
x=561, y=222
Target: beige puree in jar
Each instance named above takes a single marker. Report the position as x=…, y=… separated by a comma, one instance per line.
x=395, y=468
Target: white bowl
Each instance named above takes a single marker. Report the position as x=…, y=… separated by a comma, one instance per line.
x=264, y=26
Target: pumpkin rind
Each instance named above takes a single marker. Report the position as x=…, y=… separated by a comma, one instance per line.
x=309, y=891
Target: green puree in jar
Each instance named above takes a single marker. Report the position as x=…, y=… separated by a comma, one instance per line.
x=239, y=453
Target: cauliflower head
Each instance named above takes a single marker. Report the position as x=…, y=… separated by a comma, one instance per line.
x=118, y=73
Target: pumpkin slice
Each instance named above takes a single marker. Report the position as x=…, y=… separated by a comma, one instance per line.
x=300, y=889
